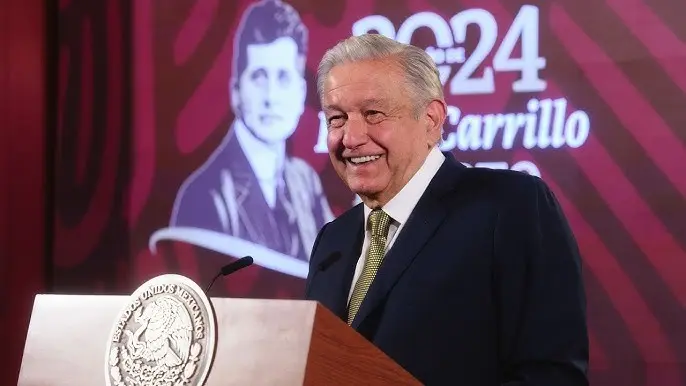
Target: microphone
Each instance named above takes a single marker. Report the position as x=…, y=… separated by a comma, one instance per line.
x=328, y=261
x=231, y=268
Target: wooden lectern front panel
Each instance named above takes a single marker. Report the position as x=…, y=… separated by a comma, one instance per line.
x=67, y=340
x=341, y=356
x=259, y=342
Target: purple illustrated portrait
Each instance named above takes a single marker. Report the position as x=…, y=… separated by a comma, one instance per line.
x=250, y=197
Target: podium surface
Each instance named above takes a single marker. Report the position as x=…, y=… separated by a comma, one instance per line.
x=258, y=342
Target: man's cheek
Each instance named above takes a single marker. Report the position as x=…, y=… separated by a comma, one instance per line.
x=333, y=140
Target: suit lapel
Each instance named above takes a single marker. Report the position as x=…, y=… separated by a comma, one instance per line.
x=338, y=276
x=421, y=225
x=248, y=195
x=253, y=211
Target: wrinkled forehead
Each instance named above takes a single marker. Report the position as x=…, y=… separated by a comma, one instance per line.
x=365, y=84
x=279, y=54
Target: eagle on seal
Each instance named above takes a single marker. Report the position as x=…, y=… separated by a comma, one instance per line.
x=167, y=331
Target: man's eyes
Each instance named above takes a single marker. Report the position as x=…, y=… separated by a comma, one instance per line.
x=261, y=75
x=335, y=120
x=371, y=116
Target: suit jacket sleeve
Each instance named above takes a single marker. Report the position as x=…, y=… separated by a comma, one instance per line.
x=539, y=287
x=313, y=267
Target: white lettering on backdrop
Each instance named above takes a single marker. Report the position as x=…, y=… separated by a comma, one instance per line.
x=544, y=124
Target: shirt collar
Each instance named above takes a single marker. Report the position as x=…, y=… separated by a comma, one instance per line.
x=266, y=161
x=403, y=203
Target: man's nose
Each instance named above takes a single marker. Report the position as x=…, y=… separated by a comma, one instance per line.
x=271, y=91
x=355, y=134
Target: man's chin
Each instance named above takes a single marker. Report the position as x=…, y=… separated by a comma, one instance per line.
x=274, y=139
x=365, y=192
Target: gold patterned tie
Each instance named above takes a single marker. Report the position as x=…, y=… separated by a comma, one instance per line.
x=379, y=222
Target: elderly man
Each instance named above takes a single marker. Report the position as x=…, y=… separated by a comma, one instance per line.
x=464, y=276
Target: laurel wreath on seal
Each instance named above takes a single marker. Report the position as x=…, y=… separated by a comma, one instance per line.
x=141, y=373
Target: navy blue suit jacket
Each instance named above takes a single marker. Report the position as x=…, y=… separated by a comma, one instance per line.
x=483, y=285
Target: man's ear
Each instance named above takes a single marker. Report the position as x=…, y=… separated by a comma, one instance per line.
x=301, y=66
x=234, y=99
x=434, y=116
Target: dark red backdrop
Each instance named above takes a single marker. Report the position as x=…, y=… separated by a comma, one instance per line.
x=621, y=63
x=22, y=172
x=623, y=191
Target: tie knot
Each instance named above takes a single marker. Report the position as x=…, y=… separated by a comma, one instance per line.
x=379, y=222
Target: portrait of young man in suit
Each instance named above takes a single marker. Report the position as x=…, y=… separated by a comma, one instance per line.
x=463, y=276
x=249, y=187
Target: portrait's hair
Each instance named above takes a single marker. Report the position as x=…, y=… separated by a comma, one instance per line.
x=418, y=67
x=264, y=22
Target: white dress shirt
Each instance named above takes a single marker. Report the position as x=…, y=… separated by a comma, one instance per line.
x=266, y=161
x=400, y=206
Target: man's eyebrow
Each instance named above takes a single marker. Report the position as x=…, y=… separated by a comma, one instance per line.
x=365, y=103
x=328, y=108
x=373, y=102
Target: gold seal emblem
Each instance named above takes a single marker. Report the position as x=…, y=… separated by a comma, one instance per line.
x=165, y=335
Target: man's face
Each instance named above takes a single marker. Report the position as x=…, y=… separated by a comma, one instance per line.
x=271, y=90
x=376, y=143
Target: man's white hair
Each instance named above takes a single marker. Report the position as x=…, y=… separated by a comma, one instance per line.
x=418, y=67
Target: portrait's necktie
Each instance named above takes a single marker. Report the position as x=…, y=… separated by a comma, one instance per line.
x=379, y=222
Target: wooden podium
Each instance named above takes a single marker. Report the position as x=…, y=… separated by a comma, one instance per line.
x=259, y=342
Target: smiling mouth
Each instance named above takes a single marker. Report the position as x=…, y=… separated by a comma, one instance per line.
x=363, y=160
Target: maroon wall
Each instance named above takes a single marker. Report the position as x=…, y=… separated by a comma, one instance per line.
x=22, y=172
x=77, y=208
